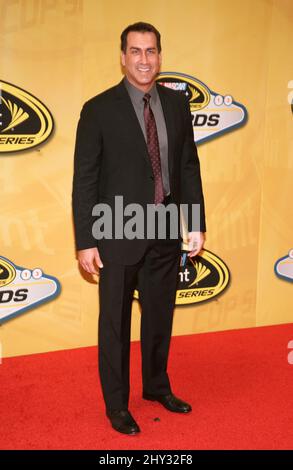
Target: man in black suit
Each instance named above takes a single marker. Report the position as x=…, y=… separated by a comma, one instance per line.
x=136, y=140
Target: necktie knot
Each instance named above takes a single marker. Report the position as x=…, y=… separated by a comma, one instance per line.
x=147, y=98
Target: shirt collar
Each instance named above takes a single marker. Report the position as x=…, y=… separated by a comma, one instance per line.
x=137, y=95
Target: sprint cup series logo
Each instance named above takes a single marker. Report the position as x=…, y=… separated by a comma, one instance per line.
x=24, y=121
x=200, y=278
x=23, y=289
x=212, y=113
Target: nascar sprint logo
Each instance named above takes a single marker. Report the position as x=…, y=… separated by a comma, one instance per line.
x=212, y=113
x=23, y=289
x=7, y=272
x=200, y=278
x=24, y=121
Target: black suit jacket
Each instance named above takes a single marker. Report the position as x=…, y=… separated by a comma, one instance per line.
x=111, y=158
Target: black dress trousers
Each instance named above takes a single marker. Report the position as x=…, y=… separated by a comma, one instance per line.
x=155, y=276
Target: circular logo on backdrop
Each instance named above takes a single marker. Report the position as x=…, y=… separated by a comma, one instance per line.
x=201, y=278
x=197, y=93
x=7, y=272
x=24, y=120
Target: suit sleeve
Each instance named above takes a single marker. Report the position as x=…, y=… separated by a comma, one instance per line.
x=87, y=163
x=191, y=184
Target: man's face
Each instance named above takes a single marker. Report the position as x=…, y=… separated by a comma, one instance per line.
x=141, y=60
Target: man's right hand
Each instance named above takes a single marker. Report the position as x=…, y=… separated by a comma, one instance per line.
x=89, y=259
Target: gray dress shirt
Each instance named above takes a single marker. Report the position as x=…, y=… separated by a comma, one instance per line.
x=136, y=97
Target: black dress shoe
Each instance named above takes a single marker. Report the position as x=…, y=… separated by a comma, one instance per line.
x=170, y=402
x=122, y=421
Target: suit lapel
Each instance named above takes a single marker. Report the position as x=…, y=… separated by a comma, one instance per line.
x=127, y=109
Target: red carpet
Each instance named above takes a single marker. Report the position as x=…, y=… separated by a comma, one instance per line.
x=239, y=383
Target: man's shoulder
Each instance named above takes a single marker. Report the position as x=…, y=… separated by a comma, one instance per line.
x=103, y=98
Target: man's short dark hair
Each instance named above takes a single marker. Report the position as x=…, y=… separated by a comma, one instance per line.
x=140, y=27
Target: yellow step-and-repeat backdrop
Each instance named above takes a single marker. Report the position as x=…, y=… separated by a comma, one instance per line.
x=55, y=55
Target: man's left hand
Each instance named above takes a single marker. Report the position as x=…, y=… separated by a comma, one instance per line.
x=195, y=243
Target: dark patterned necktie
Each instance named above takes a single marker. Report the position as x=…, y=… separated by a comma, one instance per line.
x=153, y=148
